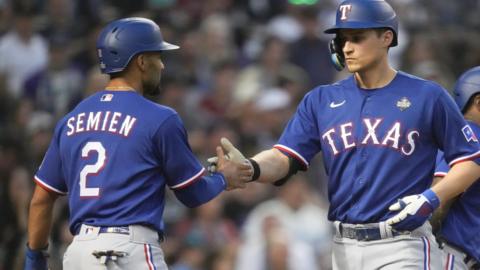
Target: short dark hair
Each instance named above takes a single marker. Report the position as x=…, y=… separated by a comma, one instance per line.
x=115, y=75
x=382, y=30
x=469, y=102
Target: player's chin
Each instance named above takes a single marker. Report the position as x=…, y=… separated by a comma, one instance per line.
x=352, y=68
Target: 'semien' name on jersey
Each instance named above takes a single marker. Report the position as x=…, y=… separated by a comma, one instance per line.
x=113, y=122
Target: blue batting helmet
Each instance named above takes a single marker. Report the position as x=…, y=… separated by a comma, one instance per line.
x=467, y=86
x=364, y=14
x=122, y=39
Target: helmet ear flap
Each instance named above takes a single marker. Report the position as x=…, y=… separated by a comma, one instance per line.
x=336, y=54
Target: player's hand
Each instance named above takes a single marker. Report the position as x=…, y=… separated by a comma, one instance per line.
x=236, y=174
x=414, y=210
x=36, y=259
x=233, y=154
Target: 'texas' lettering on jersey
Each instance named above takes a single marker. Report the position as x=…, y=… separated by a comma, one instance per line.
x=107, y=121
x=342, y=138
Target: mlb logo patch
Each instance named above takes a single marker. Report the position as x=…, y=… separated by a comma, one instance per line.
x=106, y=97
x=468, y=133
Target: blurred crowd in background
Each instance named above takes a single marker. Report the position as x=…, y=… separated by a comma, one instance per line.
x=242, y=68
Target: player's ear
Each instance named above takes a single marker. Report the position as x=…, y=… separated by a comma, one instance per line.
x=141, y=62
x=476, y=102
x=387, y=38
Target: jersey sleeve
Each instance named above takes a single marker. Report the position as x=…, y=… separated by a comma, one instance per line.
x=441, y=166
x=179, y=165
x=453, y=135
x=50, y=174
x=300, y=139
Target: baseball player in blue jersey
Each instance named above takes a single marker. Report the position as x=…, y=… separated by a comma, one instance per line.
x=460, y=228
x=378, y=131
x=113, y=156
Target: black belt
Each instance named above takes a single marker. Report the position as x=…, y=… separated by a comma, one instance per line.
x=363, y=234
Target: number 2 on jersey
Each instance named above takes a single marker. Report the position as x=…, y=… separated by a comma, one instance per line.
x=91, y=168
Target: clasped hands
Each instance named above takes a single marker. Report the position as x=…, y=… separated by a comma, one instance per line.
x=236, y=169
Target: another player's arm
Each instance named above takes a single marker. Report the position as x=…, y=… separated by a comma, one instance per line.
x=229, y=175
x=440, y=213
x=416, y=209
x=460, y=177
x=273, y=165
x=40, y=218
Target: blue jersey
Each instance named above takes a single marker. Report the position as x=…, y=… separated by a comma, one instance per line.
x=378, y=145
x=113, y=155
x=461, y=226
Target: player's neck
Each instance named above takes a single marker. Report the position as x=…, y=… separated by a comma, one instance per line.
x=473, y=116
x=376, y=77
x=121, y=84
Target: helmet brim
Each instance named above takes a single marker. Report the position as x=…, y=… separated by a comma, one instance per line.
x=353, y=25
x=165, y=46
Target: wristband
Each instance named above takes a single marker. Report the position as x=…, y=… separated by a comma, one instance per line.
x=256, y=170
x=432, y=198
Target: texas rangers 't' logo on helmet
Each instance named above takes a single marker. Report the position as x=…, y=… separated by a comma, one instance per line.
x=345, y=10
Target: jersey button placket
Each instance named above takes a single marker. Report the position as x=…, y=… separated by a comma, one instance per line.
x=366, y=110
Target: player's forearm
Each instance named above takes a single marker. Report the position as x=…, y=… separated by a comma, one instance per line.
x=441, y=212
x=273, y=165
x=40, y=219
x=457, y=180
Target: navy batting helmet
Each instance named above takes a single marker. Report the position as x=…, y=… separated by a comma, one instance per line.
x=364, y=14
x=467, y=86
x=122, y=39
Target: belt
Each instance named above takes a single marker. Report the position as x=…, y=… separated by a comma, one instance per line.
x=117, y=229
x=120, y=230
x=370, y=232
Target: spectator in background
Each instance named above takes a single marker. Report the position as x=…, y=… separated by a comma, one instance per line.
x=205, y=233
x=292, y=220
x=216, y=46
x=94, y=80
x=214, y=105
x=310, y=52
x=272, y=107
x=272, y=64
x=85, y=55
x=57, y=87
x=19, y=193
x=60, y=20
x=275, y=250
x=207, y=227
x=191, y=257
x=22, y=51
x=39, y=131
x=422, y=58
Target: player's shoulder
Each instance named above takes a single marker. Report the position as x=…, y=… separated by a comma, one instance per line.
x=328, y=90
x=151, y=113
x=157, y=112
x=418, y=84
x=474, y=126
x=323, y=89
x=143, y=105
